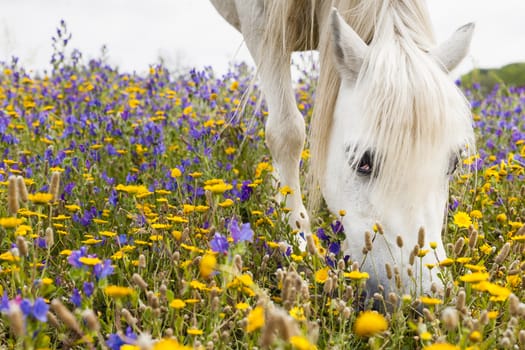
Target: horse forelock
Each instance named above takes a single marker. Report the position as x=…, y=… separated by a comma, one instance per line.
x=412, y=115
x=411, y=111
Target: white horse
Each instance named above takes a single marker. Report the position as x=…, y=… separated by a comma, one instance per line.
x=388, y=122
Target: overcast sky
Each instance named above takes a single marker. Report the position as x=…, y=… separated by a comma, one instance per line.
x=190, y=32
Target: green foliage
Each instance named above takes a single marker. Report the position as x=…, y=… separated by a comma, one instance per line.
x=509, y=75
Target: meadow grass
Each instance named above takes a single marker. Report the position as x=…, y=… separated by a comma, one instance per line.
x=138, y=212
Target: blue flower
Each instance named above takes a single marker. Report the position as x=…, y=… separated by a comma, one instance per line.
x=242, y=233
x=40, y=309
x=114, y=342
x=73, y=258
x=88, y=288
x=76, y=299
x=103, y=270
x=322, y=235
x=4, y=303
x=26, y=307
x=219, y=243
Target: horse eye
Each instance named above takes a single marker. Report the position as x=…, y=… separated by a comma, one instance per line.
x=453, y=166
x=365, y=165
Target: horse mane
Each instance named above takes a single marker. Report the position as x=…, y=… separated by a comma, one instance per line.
x=413, y=110
x=409, y=97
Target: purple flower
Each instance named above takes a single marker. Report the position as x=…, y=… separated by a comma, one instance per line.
x=26, y=307
x=40, y=309
x=322, y=235
x=334, y=248
x=219, y=243
x=114, y=342
x=337, y=227
x=75, y=255
x=88, y=288
x=240, y=233
x=76, y=299
x=4, y=303
x=103, y=270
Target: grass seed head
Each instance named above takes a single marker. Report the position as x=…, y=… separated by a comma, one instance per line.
x=503, y=254
x=16, y=320
x=139, y=281
x=54, y=186
x=421, y=237
x=21, y=189
x=22, y=245
x=12, y=196
x=91, y=320
x=50, y=237
x=66, y=316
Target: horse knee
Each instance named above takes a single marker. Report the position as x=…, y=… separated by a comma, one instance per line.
x=286, y=135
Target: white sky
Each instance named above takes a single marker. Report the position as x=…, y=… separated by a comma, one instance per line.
x=190, y=33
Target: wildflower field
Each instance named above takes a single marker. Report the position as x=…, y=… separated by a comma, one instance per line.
x=138, y=212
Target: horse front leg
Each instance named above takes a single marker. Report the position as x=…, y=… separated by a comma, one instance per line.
x=285, y=137
x=285, y=127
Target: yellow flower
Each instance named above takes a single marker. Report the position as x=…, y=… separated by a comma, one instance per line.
x=369, y=323
x=446, y=262
x=286, y=190
x=430, y=301
x=40, y=197
x=218, y=188
x=226, y=203
x=175, y=172
x=194, y=331
x=91, y=241
x=242, y=306
x=46, y=281
x=177, y=304
x=357, y=275
x=501, y=217
x=8, y=256
x=207, y=265
x=464, y=259
x=301, y=343
x=476, y=214
x=462, y=219
x=262, y=167
x=160, y=226
x=10, y=222
x=255, y=319
x=170, y=344
x=321, y=276
x=129, y=347
x=475, y=277
x=498, y=293
x=72, y=207
x=475, y=336
x=425, y=336
x=89, y=261
x=441, y=346
x=297, y=313
x=133, y=189
x=118, y=291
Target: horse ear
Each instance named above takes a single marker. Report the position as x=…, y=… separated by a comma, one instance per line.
x=350, y=49
x=451, y=52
